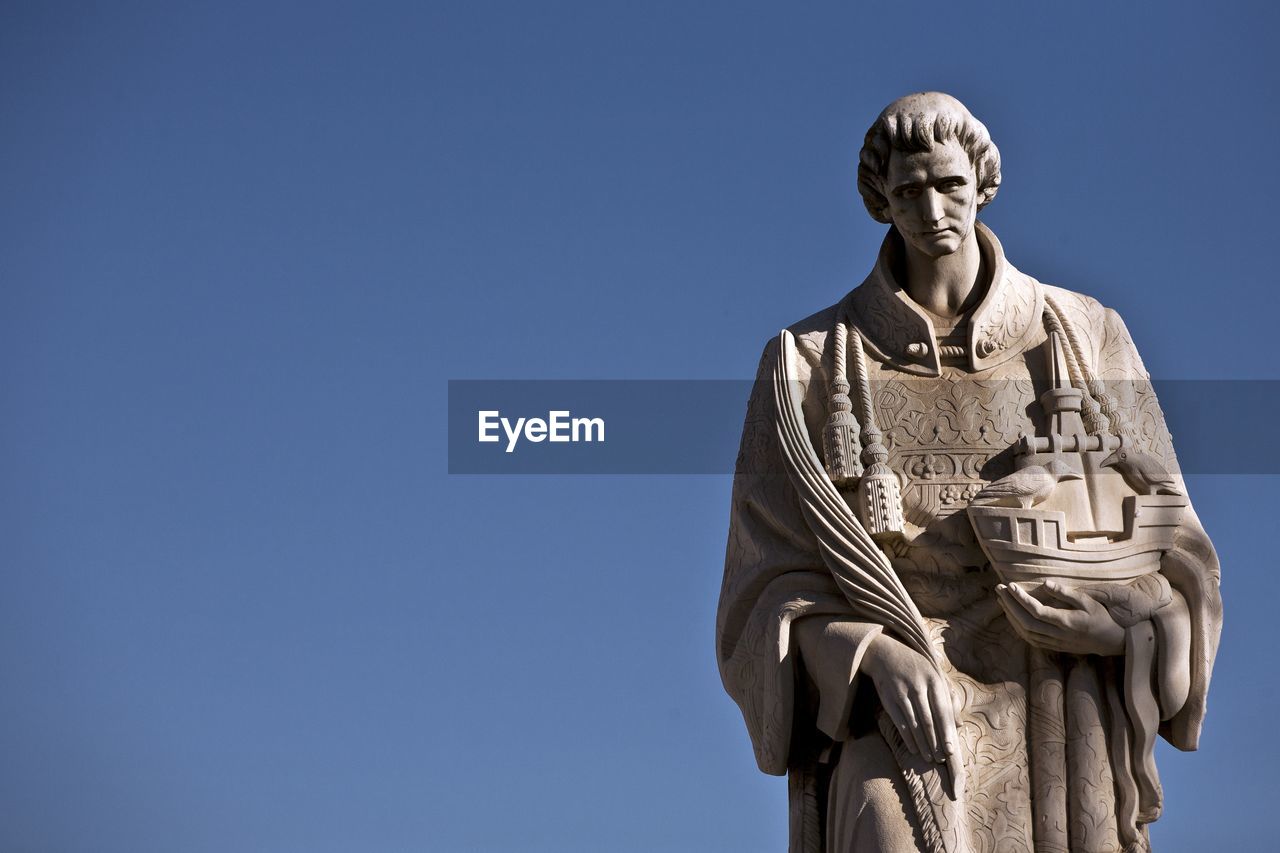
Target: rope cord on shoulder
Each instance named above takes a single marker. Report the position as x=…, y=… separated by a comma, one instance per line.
x=1094, y=387
x=879, y=494
x=1095, y=422
x=840, y=446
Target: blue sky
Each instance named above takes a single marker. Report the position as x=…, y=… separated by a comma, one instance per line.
x=244, y=246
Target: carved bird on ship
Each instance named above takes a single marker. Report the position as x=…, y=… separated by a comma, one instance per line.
x=1026, y=487
x=1144, y=473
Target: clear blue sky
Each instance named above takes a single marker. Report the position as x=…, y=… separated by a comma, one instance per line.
x=243, y=246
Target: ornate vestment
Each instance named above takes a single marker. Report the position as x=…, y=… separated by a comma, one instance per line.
x=1047, y=741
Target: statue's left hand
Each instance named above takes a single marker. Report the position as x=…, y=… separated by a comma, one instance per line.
x=1083, y=627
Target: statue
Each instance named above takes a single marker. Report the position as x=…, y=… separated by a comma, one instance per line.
x=964, y=588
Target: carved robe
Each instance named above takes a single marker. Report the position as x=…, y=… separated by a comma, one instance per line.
x=1046, y=742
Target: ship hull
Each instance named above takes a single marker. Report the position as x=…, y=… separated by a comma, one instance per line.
x=1035, y=545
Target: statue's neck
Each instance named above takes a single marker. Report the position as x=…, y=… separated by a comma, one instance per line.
x=949, y=285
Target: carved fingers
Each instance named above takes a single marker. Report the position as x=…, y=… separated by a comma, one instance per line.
x=929, y=739
x=915, y=697
x=1083, y=627
x=940, y=693
x=898, y=705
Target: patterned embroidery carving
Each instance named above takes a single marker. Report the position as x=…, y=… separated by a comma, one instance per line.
x=943, y=433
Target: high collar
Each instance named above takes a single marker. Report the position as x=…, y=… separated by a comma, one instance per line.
x=900, y=333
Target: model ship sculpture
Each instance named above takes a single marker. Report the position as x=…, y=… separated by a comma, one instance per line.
x=1080, y=507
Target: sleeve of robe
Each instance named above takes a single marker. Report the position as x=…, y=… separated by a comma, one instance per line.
x=774, y=576
x=1191, y=567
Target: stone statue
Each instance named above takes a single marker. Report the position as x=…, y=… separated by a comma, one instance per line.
x=964, y=589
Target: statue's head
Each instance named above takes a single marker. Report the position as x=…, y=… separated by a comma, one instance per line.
x=928, y=166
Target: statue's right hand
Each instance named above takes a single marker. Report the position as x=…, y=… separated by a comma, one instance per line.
x=915, y=696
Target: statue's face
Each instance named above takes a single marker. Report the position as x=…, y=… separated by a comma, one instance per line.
x=933, y=197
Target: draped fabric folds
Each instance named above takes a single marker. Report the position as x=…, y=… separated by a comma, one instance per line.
x=1055, y=747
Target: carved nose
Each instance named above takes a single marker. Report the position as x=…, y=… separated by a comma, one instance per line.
x=932, y=208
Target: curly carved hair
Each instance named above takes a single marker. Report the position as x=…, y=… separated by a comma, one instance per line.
x=916, y=123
